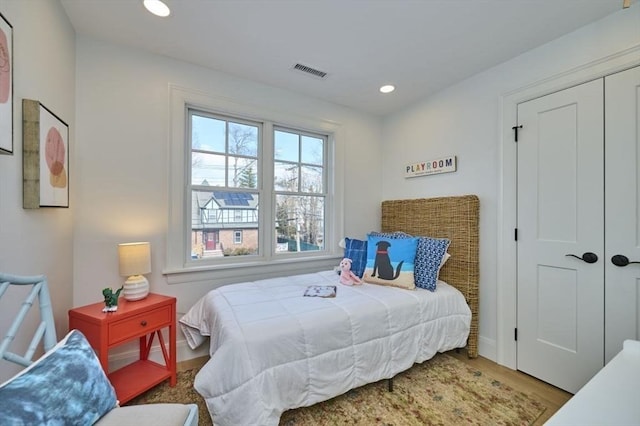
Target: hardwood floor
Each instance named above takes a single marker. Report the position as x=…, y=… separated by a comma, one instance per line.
x=192, y=363
x=552, y=397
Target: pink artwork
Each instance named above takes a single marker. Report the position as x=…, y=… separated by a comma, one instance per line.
x=54, y=160
x=5, y=68
x=6, y=86
x=55, y=157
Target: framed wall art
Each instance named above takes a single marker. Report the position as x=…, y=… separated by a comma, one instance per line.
x=45, y=162
x=6, y=86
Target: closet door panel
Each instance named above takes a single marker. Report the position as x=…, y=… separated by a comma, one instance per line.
x=622, y=201
x=560, y=212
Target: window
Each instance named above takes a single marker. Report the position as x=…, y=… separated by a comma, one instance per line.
x=224, y=171
x=299, y=185
x=250, y=188
x=228, y=181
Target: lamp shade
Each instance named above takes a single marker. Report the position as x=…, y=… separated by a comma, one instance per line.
x=134, y=259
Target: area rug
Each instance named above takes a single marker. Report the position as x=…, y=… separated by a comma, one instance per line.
x=441, y=391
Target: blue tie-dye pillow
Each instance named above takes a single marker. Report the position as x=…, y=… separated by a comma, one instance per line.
x=66, y=386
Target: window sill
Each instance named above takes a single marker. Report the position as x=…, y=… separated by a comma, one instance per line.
x=250, y=271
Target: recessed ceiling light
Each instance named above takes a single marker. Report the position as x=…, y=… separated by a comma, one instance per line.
x=157, y=7
x=387, y=88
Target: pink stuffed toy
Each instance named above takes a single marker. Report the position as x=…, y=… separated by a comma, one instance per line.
x=346, y=276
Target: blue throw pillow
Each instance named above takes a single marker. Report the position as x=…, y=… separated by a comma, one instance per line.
x=66, y=386
x=356, y=250
x=429, y=257
x=390, y=261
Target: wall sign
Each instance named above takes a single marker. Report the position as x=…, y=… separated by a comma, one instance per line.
x=431, y=167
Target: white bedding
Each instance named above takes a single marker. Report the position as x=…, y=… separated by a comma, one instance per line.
x=273, y=349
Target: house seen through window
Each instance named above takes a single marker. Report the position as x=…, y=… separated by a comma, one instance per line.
x=231, y=177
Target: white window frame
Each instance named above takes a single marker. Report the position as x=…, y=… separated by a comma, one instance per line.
x=180, y=268
x=237, y=236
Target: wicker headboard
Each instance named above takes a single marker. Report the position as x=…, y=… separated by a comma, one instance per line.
x=457, y=219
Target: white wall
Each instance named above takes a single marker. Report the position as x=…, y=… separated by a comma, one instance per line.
x=34, y=242
x=122, y=158
x=465, y=120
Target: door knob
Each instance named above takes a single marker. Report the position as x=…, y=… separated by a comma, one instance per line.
x=621, y=260
x=586, y=257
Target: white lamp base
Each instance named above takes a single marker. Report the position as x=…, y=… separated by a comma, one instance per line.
x=136, y=287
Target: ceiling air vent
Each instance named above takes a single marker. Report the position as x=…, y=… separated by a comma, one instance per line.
x=311, y=71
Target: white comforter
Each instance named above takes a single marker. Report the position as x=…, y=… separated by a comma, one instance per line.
x=273, y=349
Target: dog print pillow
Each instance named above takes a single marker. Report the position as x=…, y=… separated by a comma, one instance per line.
x=390, y=261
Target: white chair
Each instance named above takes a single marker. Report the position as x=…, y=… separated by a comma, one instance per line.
x=46, y=328
x=141, y=415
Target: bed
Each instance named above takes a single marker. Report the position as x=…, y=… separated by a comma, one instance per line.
x=273, y=349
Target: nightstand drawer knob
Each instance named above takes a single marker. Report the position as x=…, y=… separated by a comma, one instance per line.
x=143, y=323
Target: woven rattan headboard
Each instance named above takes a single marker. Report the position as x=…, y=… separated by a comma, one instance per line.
x=455, y=218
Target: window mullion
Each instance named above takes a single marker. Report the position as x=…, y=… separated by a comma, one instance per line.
x=226, y=156
x=267, y=194
x=299, y=163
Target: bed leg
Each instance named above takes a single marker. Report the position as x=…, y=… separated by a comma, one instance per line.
x=390, y=384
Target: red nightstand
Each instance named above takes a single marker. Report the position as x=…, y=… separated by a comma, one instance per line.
x=143, y=319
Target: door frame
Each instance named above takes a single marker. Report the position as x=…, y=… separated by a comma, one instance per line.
x=506, y=259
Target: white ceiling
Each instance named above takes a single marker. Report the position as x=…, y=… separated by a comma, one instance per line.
x=421, y=46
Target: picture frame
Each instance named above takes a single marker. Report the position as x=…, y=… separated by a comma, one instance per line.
x=45, y=162
x=6, y=86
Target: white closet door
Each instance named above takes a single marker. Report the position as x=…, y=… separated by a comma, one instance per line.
x=560, y=212
x=622, y=189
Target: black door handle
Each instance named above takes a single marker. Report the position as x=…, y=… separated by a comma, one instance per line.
x=621, y=260
x=586, y=257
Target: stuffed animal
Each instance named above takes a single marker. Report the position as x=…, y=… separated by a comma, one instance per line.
x=346, y=276
x=110, y=299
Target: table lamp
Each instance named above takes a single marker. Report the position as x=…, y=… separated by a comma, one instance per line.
x=134, y=261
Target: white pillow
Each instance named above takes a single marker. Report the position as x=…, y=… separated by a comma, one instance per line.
x=444, y=260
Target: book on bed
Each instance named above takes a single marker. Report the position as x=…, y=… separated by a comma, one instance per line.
x=321, y=291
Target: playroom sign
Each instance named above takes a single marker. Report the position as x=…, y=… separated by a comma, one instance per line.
x=431, y=167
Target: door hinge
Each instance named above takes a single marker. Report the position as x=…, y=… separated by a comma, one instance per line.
x=515, y=334
x=515, y=234
x=515, y=131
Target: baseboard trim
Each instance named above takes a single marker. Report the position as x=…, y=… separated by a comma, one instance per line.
x=130, y=354
x=487, y=348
